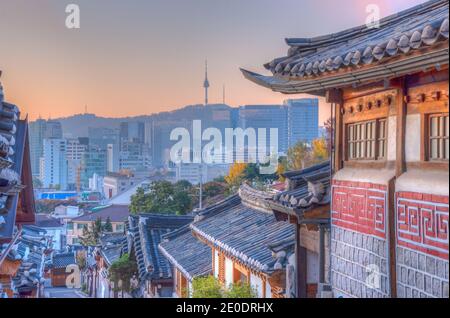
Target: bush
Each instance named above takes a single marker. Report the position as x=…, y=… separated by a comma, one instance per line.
x=206, y=287
x=240, y=290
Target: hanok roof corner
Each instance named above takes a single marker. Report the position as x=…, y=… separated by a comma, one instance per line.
x=412, y=40
x=187, y=253
x=145, y=233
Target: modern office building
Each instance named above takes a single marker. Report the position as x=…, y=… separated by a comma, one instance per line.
x=36, y=135
x=92, y=162
x=75, y=150
x=302, y=119
x=268, y=117
x=54, y=169
x=53, y=129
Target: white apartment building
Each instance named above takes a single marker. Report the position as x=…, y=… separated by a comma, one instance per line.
x=54, y=172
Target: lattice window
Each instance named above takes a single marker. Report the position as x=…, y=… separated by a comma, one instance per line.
x=438, y=137
x=367, y=140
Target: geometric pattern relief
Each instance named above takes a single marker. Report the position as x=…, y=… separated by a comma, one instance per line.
x=423, y=225
x=360, y=207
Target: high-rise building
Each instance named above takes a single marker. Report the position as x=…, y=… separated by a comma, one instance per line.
x=54, y=170
x=265, y=116
x=74, y=151
x=36, y=135
x=133, y=131
x=112, y=158
x=302, y=119
x=53, y=129
x=92, y=162
x=102, y=137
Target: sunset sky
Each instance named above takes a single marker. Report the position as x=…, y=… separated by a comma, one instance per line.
x=144, y=56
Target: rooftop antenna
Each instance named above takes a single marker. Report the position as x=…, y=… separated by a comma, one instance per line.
x=85, y=109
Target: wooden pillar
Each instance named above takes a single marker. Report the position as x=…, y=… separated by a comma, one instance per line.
x=321, y=254
x=300, y=253
x=392, y=239
x=335, y=97
x=400, y=163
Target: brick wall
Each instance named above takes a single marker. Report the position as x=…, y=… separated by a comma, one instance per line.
x=422, y=245
x=359, y=249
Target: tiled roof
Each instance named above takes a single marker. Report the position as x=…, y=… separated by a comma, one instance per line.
x=47, y=221
x=331, y=61
x=187, y=253
x=146, y=231
x=117, y=213
x=111, y=246
x=63, y=260
x=244, y=228
x=12, y=141
x=310, y=187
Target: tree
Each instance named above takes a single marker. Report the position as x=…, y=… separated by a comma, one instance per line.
x=107, y=227
x=92, y=233
x=240, y=290
x=209, y=287
x=121, y=272
x=235, y=176
x=299, y=156
x=282, y=168
x=163, y=197
x=206, y=287
x=319, y=151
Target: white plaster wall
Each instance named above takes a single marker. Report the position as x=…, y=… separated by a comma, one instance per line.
x=257, y=284
x=228, y=272
x=392, y=138
x=412, y=138
x=216, y=264
x=312, y=267
x=377, y=176
x=428, y=181
x=268, y=291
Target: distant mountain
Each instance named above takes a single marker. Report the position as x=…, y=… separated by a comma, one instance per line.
x=78, y=125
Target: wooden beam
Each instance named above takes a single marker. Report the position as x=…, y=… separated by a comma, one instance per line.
x=338, y=137
x=392, y=239
x=300, y=253
x=400, y=165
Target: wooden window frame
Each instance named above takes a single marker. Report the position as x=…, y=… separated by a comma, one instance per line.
x=365, y=141
x=427, y=138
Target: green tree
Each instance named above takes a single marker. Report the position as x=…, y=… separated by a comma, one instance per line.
x=240, y=290
x=206, y=287
x=163, y=197
x=107, y=227
x=92, y=233
x=299, y=156
x=121, y=272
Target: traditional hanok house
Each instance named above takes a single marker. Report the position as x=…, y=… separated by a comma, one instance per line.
x=29, y=279
x=244, y=237
x=59, y=272
x=145, y=232
x=109, y=251
x=189, y=257
x=306, y=203
x=388, y=86
x=16, y=188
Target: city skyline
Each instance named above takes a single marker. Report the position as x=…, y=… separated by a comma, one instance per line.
x=118, y=64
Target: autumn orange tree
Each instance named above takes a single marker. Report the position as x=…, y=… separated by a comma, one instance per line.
x=235, y=176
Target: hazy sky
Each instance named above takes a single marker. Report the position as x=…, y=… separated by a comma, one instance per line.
x=143, y=56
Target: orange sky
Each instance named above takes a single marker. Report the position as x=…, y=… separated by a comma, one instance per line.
x=140, y=57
